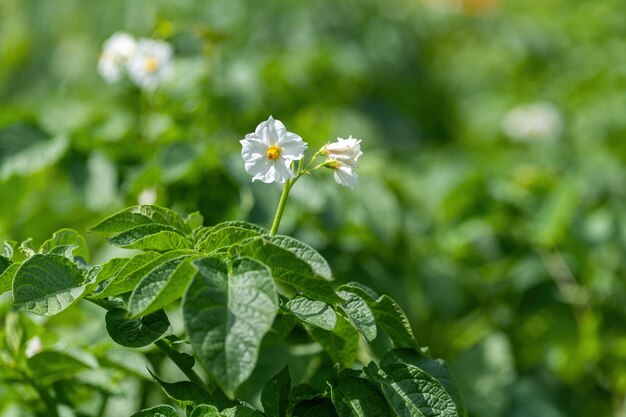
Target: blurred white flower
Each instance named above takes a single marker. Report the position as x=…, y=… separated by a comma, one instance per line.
x=347, y=151
x=33, y=347
x=533, y=122
x=116, y=52
x=270, y=150
x=344, y=174
x=151, y=63
x=147, y=196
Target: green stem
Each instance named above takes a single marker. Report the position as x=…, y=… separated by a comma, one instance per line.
x=281, y=207
x=173, y=355
x=161, y=344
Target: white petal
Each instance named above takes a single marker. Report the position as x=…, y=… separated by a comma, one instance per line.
x=345, y=175
x=252, y=149
x=292, y=147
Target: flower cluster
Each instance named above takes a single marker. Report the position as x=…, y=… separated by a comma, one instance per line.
x=147, y=62
x=269, y=152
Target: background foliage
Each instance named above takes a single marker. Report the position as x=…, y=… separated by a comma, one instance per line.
x=505, y=255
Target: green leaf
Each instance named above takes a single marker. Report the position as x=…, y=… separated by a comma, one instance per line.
x=8, y=248
x=26, y=247
x=6, y=277
x=161, y=286
x=25, y=149
x=391, y=318
x=410, y=391
x=342, y=344
x=194, y=221
x=227, y=311
x=47, y=284
x=67, y=238
x=436, y=368
x=132, y=217
x=135, y=270
x=224, y=235
x=136, y=332
x=317, y=407
x=157, y=237
x=13, y=333
x=241, y=411
x=158, y=411
x=205, y=411
x=312, y=312
x=357, y=397
x=288, y=268
x=282, y=326
x=388, y=314
x=50, y=366
x=358, y=314
x=303, y=251
x=185, y=393
x=275, y=395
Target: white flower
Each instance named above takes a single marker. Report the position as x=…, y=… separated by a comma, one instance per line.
x=33, y=347
x=270, y=150
x=532, y=122
x=116, y=52
x=151, y=64
x=347, y=151
x=344, y=174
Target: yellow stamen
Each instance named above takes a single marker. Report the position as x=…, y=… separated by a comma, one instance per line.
x=273, y=152
x=151, y=64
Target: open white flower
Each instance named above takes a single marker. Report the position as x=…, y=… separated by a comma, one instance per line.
x=344, y=174
x=151, y=64
x=116, y=52
x=270, y=150
x=347, y=151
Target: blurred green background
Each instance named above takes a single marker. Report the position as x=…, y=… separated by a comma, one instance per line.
x=491, y=201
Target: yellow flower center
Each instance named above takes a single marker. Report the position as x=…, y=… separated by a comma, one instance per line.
x=151, y=64
x=273, y=152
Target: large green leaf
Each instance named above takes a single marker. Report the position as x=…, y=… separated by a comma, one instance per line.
x=49, y=366
x=67, y=240
x=312, y=312
x=157, y=237
x=288, y=268
x=391, y=318
x=275, y=395
x=158, y=411
x=25, y=149
x=185, y=393
x=357, y=397
x=47, y=284
x=7, y=272
x=342, y=344
x=132, y=217
x=224, y=235
x=161, y=286
x=139, y=266
x=388, y=314
x=358, y=314
x=139, y=332
x=436, y=368
x=411, y=391
x=303, y=251
x=227, y=311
